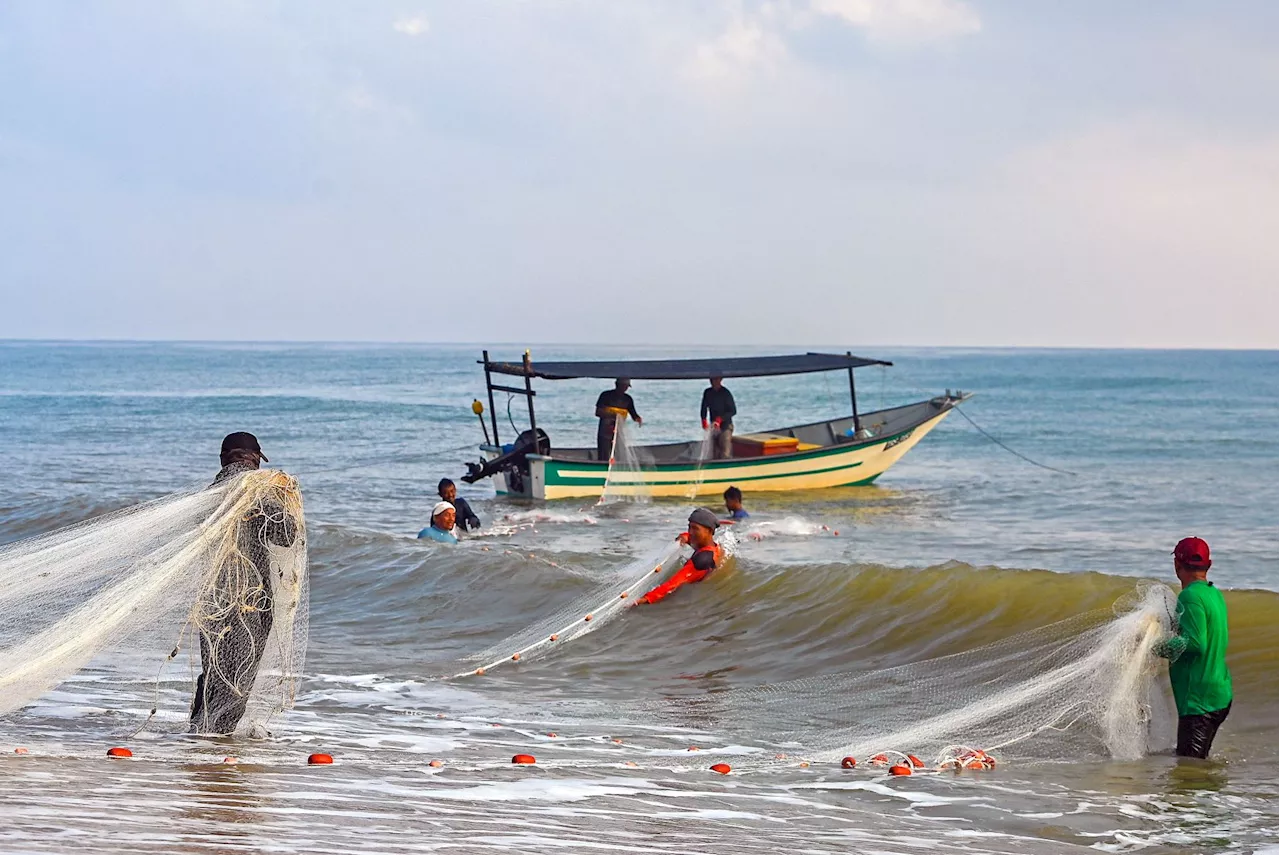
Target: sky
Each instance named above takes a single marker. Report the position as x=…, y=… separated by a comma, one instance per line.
x=860, y=172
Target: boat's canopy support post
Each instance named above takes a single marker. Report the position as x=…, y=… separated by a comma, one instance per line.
x=853, y=399
x=493, y=411
x=528, y=388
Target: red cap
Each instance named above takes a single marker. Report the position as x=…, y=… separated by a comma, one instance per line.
x=1193, y=552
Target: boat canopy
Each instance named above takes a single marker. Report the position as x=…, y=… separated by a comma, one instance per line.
x=684, y=369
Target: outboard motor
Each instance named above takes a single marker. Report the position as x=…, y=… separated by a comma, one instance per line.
x=526, y=443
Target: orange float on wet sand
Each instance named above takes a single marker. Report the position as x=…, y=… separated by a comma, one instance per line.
x=436, y=764
x=320, y=760
x=722, y=768
x=20, y=751
x=848, y=763
x=899, y=769
x=524, y=760
x=119, y=752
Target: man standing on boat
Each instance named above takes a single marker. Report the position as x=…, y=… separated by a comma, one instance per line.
x=611, y=405
x=719, y=408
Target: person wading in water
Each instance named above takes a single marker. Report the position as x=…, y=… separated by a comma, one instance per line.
x=237, y=621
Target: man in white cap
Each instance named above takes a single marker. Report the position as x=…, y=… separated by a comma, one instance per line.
x=443, y=518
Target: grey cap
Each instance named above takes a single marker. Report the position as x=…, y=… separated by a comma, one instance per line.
x=704, y=518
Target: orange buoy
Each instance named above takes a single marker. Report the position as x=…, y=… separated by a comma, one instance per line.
x=899, y=769
x=915, y=761
x=722, y=768
x=693, y=748
x=319, y=759
x=617, y=742
x=524, y=760
x=552, y=734
x=835, y=534
x=436, y=764
x=588, y=617
x=515, y=657
x=555, y=637
x=631, y=763
x=804, y=764
x=657, y=569
x=975, y=763
x=119, y=752
x=879, y=760
x=623, y=595
x=848, y=763
x=479, y=672
x=439, y=715
x=20, y=751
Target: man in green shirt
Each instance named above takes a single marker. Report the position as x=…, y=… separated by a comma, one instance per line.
x=1197, y=654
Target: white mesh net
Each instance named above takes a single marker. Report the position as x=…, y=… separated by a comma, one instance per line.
x=626, y=480
x=591, y=611
x=217, y=572
x=1086, y=686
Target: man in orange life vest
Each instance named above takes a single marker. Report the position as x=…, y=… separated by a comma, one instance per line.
x=706, y=555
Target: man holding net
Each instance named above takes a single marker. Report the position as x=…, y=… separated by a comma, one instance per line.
x=706, y=555
x=236, y=614
x=612, y=405
x=1198, y=665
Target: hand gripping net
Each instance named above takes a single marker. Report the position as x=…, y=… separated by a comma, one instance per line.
x=217, y=573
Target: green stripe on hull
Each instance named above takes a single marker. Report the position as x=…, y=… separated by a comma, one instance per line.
x=599, y=482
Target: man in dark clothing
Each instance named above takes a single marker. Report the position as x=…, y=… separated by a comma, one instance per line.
x=1198, y=671
x=235, y=624
x=467, y=519
x=611, y=405
x=718, y=406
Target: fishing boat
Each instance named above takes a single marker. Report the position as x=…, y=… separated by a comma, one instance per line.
x=849, y=450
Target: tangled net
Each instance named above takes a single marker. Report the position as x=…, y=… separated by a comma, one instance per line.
x=1086, y=686
x=128, y=592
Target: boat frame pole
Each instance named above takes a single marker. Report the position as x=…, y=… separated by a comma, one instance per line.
x=493, y=411
x=528, y=388
x=853, y=397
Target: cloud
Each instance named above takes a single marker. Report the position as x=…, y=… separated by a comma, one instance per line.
x=903, y=21
x=748, y=44
x=412, y=26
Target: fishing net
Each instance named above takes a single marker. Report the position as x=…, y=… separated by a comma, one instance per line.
x=1084, y=687
x=606, y=601
x=626, y=480
x=215, y=576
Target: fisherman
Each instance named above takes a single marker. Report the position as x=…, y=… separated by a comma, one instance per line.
x=718, y=406
x=612, y=404
x=233, y=634
x=733, y=504
x=706, y=555
x=441, y=529
x=1198, y=666
x=467, y=519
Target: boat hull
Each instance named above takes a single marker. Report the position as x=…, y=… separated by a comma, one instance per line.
x=835, y=466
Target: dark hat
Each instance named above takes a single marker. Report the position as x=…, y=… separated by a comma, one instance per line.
x=704, y=518
x=242, y=441
x=1193, y=552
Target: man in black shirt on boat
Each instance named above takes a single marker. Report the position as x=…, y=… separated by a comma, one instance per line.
x=718, y=406
x=609, y=406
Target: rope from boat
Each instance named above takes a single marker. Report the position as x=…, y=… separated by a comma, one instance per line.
x=1019, y=454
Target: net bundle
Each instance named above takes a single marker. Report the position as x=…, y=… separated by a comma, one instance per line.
x=1085, y=687
x=213, y=579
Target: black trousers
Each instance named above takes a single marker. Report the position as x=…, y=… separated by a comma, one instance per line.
x=229, y=653
x=1196, y=732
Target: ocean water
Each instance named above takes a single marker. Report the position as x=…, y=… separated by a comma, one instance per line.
x=959, y=545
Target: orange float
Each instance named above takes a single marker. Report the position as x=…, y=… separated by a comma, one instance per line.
x=524, y=760
x=515, y=657
x=899, y=769
x=555, y=637
x=848, y=763
x=436, y=764
x=722, y=768
x=320, y=760
x=879, y=760
x=915, y=761
x=119, y=752
x=20, y=751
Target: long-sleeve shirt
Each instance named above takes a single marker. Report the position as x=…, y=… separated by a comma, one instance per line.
x=1198, y=673
x=718, y=404
x=695, y=569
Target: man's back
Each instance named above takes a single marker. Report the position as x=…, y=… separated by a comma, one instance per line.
x=1200, y=678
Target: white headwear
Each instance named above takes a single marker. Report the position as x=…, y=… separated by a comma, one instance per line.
x=440, y=508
